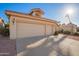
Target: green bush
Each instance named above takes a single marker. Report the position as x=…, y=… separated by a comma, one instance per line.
x=4, y=31
x=61, y=31
x=56, y=33
x=66, y=32
x=77, y=34
x=1, y=30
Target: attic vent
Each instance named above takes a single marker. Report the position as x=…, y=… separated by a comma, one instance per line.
x=36, y=12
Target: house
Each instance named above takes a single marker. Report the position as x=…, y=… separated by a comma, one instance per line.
x=69, y=27
x=29, y=25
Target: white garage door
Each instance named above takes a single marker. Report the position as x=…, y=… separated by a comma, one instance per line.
x=29, y=30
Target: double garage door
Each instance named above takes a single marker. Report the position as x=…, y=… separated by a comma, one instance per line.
x=30, y=30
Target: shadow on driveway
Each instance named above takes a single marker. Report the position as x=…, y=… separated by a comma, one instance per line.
x=42, y=47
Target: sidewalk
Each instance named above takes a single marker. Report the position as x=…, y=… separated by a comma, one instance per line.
x=70, y=46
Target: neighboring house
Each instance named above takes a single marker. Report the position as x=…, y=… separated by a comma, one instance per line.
x=1, y=23
x=30, y=25
x=69, y=27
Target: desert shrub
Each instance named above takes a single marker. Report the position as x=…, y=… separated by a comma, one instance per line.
x=6, y=32
x=61, y=31
x=66, y=32
x=56, y=33
x=77, y=34
x=1, y=30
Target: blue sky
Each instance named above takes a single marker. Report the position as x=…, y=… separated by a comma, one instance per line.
x=52, y=10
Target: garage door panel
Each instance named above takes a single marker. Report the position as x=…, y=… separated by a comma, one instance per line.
x=29, y=30
x=48, y=30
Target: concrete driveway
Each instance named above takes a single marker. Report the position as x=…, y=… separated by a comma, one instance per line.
x=59, y=45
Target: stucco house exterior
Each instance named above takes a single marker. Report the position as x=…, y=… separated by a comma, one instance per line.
x=26, y=25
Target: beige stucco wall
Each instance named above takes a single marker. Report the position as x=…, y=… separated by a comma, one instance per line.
x=12, y=28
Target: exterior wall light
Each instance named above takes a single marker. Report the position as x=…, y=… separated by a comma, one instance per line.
x=13, y=21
